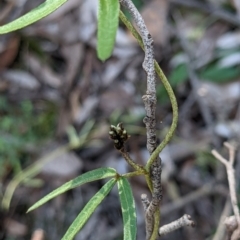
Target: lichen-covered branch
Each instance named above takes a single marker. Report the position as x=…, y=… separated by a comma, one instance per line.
x=154, y=206
x=148, y=65
x=149, y=99
x=229, y=164
x=168, y=88
x=152, y=218
x=153, y=165
x=185, y=220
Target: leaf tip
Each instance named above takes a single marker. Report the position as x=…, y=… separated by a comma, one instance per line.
x=102, y=57
x=29, y=210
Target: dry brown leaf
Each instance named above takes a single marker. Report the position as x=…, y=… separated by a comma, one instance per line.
x=4, y=85
x=38, y=235
x=42, y=71
x=5, y=11
x=117, y=98
x=155, y=16
x=207, y=44
x=221, y=98
x=236, y=4
x=83, y=112
x=21, y=79
x=65, y=166
x=15, y=228
x=73, y=55
x=8, y=55
x=64, y=119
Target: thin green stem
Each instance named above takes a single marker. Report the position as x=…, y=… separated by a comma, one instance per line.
x=131, y=29
x=168, y=88
x=156, y=225
x=149, y=181
x=132, y=174
x=173, y=127
x=128, y=159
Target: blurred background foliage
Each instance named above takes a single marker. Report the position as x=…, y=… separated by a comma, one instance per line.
x=51, y=81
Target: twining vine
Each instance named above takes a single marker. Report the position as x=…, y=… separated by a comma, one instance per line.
x=108, y=10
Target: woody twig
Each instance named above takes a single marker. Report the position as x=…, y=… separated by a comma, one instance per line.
x=149, y=99
x=229, y=164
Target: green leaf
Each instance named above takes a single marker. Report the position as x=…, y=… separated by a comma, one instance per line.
x=108, y=13
x=178, y=75
x=221, y=53
x=36, y=14
x=94, y=175
x=87, y=211
x=128, y=209
x=214, y=73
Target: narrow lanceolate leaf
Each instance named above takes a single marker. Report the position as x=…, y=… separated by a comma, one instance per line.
x=87, y=211
x=108, y=13
x=128, y=209
x=93, y=175
x=36, y=14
